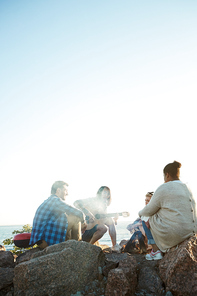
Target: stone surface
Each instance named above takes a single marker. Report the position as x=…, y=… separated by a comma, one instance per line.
x=6, y=277
x=78, y=267
x=122, y=280
x=117, y=283
x=178, y=269
x=150, y=281
x=6, y=259
x=61, y=269
x=129, y=267
x=27, y=255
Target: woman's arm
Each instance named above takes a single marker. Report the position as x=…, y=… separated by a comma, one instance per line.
x=155, y=203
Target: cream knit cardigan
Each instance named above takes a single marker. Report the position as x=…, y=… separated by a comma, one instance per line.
x=173, y=215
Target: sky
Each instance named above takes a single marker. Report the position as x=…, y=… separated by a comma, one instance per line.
x=95, y=93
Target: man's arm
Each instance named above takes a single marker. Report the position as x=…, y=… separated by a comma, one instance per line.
x=69, y=210
x=80, y=205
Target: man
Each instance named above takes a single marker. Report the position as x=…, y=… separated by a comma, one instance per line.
x=54, y=219
x=96, y=228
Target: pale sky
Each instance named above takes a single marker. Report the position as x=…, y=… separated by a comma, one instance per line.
x=95, y=93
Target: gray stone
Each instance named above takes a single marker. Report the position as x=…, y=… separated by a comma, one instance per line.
x=6, y=277
x=61, y=269
x=6, y=259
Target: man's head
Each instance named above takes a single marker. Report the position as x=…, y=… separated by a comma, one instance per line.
x=60, y=189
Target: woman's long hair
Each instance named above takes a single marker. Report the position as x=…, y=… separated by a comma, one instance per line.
x=99, y=193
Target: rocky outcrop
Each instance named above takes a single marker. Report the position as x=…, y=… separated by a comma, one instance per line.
x=123, y=279
x=78, y=268
x=60, y=269
x=6, y=271
x=178, y=269
x=6, y=259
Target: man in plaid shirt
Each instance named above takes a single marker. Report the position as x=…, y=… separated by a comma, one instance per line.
x=54, y=219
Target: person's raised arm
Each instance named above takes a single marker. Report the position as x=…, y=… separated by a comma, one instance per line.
x=154, y=205
x=69, y=210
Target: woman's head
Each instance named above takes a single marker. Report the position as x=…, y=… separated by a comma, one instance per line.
x=148, y=197
x=105, y=193
x=172, y=171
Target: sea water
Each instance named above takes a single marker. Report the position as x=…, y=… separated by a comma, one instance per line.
x=121, y=233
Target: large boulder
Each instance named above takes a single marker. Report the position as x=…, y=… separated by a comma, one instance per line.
x=6, y=259
x=61, y=269
x=27, y=255
x=178, y=268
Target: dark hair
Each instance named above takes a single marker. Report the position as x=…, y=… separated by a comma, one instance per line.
x=99, y=193
x=150, y=193
x=56, y=185
x=173, y=169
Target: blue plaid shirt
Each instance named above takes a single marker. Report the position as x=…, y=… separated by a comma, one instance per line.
x=50, y=221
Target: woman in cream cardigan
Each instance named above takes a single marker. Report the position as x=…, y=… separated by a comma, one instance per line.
x=171, y=211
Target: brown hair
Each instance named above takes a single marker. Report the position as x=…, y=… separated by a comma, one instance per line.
x=57, y=184
x=173, y=169
x=99, y=193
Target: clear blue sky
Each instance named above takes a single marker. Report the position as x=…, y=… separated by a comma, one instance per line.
x=95, y=93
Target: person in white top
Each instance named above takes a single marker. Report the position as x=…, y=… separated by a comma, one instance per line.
x=171, y=211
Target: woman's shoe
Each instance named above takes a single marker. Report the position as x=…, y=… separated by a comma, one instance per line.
x=154, y=255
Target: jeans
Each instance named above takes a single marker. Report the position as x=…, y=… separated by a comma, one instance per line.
x=150, y=238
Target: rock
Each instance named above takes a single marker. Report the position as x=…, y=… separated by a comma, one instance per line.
x=6, y=277
x=109, y=265
x=122, y=280
x=27, y=255
x=6, y=259
x=117, y=283
x=129, y=267
x=61, y=269
x=178, y=269
x=150, y=282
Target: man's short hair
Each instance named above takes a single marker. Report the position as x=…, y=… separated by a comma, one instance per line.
x=56, y=185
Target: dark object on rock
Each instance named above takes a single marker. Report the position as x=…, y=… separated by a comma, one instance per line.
x=6, y=259
x=136, y=242
x=178, y=268
x=21, y=240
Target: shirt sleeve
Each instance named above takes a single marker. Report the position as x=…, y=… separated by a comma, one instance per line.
x=154, y=205
x=62, y=207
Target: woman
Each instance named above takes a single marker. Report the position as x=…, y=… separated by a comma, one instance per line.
x=137, y=224
x=172, y=212
x=96, y=228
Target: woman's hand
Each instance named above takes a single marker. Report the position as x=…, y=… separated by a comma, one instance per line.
x=147, y=224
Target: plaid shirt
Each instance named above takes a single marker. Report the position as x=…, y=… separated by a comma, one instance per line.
x=50, y=221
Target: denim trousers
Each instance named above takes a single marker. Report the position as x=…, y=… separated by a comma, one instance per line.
x=150, y=238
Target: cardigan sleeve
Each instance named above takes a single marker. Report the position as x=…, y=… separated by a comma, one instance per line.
x=154, y=205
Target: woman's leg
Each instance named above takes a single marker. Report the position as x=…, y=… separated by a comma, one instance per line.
x=101, y=230
x=151, y=240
